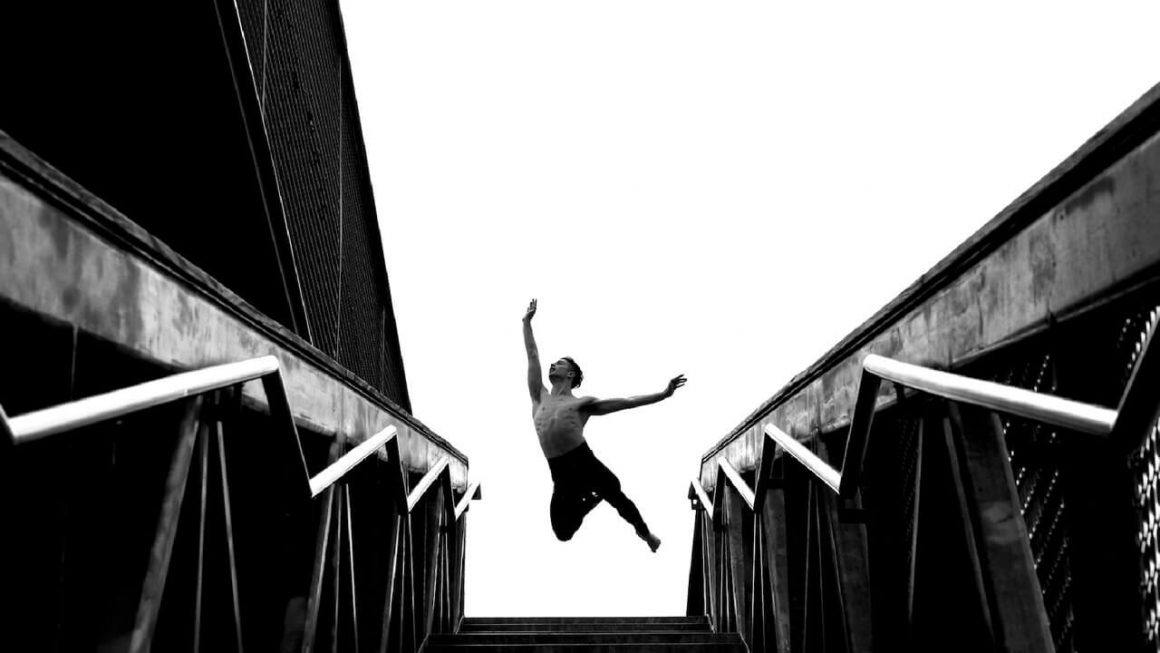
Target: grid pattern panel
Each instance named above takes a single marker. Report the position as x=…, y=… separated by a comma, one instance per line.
x=361, y=332
x=1146, y=480
x=302, y=118
x=297, y=53
x=1035, y=450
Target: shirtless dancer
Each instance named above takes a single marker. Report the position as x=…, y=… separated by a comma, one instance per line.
x=581, y=481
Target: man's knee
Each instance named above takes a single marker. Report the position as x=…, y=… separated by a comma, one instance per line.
x=564, y=532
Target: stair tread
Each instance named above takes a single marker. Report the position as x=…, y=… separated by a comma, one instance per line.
x=729, y=647
x=581, y=627
x=619, y=637
x=535, y=620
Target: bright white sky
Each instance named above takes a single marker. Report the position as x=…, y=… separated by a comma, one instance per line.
x=723, y=189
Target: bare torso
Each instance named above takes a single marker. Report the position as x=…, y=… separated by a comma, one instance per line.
x=559, y=422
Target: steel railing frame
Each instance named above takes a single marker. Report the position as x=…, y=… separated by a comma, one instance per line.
x=46, y=422
x=55, y=420
x=1122, y=427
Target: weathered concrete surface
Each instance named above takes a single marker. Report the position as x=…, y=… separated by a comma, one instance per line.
x=55, y=266
x=1102, y=237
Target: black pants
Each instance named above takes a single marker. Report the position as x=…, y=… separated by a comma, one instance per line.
x=581, y=482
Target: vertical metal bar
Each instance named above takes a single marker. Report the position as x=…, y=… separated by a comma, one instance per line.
x=460, y=593
x=964, y=511
x=230, y=536
x=350, y=564
x=432, y=510
x=336, y=566
x=820, y=567
x=409, y=559
x=709, y=564
x=153, y=588
x=850, y=560
x=738, y=572
x=776, y=552
x=859, y=434
x=757, y=602
x=392, y=579
x=316, y=576
x=1008, y=564
x=203, y=446
x=807, y=566
x=914, y=522
x=695, y=601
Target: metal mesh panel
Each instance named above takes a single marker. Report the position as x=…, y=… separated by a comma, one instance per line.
x=1146, y=480
x=361, y=330
x=302, y=119
x=1035, y=450
x=297, y=55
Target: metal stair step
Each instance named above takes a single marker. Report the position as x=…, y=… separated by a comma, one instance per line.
x=590, y=638
x=688, y=647
x=676, y=620
x=562, y=626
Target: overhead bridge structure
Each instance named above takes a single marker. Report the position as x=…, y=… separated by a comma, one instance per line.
x=976, y=467
x=207, y=444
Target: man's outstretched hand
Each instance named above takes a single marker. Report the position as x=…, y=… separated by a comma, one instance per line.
x=531, y=311
x=677, y=382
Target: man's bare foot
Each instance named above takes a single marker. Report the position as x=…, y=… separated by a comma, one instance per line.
x=653, y=541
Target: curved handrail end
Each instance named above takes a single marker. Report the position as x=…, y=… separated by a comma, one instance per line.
x=6, y=437
x=697, y=493
x=473, y=493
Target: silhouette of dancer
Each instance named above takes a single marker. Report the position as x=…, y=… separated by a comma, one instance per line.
x=580, y=480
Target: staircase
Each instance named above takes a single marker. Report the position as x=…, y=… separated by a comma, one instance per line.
x=574, y=634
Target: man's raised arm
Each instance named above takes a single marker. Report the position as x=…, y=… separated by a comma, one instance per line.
x=535, y=376
x=605, y=406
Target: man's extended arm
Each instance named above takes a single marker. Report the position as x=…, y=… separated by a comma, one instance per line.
x=535, y=376
x=606, y=406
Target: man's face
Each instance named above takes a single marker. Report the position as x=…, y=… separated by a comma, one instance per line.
x=561, y=369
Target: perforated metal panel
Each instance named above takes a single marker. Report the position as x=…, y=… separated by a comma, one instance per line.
x=297, y=55
x=1146, y=480
x=1035, y=451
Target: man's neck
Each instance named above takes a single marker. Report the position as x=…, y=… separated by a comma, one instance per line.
x=562, y=388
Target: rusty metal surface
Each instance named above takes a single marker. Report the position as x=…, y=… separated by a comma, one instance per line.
x=1101, y=239
x=52, y=265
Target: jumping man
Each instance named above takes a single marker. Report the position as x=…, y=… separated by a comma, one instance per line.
x=581, y=481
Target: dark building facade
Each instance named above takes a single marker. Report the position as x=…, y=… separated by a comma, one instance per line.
x=205, y=433
x=230, y=133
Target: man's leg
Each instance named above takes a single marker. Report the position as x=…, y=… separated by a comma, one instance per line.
x=607, y=486
x=569, y=508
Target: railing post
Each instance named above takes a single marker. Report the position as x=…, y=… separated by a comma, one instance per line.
x=162, y=552
x=1016, y=600
x=772, y=522
x=740, y=559
x=850, y=542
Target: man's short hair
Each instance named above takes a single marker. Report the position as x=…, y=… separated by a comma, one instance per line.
x=579, y=372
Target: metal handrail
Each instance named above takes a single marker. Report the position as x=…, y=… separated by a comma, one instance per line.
x=1049, y=409
x=818, y=467
x=1045, y=408
x=339, y=468
x=439, y=475
x=696, y=491
x=39, y=424
x=425, y=483
x=90, y=410
x=473, y=493
x=739, y=483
